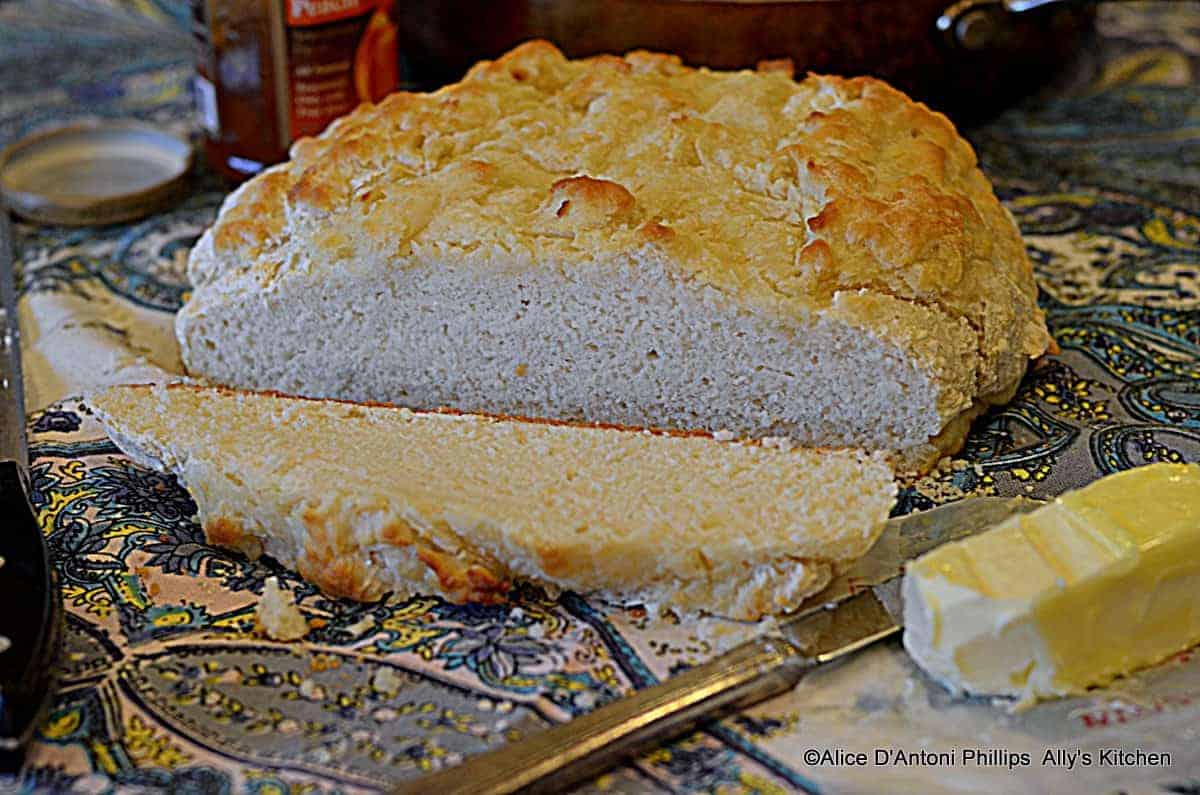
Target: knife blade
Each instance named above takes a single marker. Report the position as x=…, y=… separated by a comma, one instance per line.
x=859, y=607
x=31, y=619
x=905, y=538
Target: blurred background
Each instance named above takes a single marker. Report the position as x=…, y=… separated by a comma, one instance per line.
x=973, y=59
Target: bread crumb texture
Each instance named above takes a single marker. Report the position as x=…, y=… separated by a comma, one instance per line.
x=461, y=505
x=823, y=200
x=277, y=615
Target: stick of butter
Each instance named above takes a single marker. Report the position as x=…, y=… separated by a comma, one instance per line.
x=1099, y=582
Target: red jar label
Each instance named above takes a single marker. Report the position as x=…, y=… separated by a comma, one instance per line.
x=340, y=53
x=272, y=71
x=317, y=12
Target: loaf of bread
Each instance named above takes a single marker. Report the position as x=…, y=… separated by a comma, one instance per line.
x=363, y=500
x=628, y=240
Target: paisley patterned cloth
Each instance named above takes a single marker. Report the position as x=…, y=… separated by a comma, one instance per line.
x=166, y=685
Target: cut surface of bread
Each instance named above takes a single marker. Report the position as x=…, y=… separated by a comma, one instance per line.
x=628, y=240
x=365, y=499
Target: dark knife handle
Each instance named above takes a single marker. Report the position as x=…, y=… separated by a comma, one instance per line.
x=30, y=619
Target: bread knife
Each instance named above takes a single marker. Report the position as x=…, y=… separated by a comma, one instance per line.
x=30, y=605
x=858, y=608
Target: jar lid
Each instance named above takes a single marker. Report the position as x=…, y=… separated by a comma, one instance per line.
x=94, y=172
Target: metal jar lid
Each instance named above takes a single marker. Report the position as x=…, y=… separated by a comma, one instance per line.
x=94, y=172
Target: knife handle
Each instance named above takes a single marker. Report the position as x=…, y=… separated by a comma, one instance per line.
x=566, y=754
x=30, y=619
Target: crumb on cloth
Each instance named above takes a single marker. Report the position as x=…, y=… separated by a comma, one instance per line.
x=277, y=614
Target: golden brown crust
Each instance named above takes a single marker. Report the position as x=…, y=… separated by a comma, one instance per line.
x=333, y=558
x=464, y=583
x=328, y=559
x=249, y=224
x=582, y=202
x=231, y=533
x=224, y=532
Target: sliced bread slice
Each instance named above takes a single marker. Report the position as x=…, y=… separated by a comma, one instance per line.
x=365, y=499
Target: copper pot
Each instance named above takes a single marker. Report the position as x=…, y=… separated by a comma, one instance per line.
x=968, y=57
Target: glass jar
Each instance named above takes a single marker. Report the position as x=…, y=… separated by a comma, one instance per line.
x=271, y=71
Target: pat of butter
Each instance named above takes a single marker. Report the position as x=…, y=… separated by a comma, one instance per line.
x=1100, y=582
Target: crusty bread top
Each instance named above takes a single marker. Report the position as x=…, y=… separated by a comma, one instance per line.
x=780, y=194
